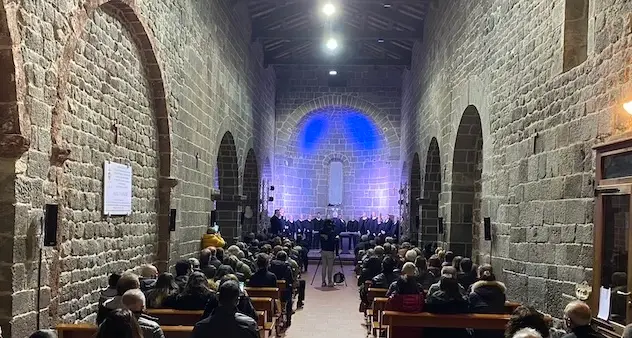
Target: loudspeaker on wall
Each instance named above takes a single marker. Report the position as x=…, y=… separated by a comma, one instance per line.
x=172, y=220
x=488, y=228
x=50, y=225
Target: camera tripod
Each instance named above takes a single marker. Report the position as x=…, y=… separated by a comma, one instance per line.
x=320, y=259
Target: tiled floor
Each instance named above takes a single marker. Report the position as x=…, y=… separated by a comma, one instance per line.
x=329, y=312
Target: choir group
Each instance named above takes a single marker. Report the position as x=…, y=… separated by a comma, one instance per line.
x=306, y=227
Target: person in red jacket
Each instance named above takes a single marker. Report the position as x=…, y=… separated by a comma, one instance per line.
x=406, y=295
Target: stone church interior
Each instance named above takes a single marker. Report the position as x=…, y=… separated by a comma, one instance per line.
x=315, y=168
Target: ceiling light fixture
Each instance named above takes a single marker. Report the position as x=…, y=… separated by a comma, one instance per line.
x=329, y=9
x=387, y=5
x=333, y=73
x=380, y=40
x=332, y=44
x=628, y=107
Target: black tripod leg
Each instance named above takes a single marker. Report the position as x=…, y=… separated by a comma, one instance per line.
x=316, y=271
x=342, y=269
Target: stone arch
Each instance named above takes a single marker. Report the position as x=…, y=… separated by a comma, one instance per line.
x=431, y=193
x=464, y=224
x=251, y=191
x=227, y=205
x=15, y=121
x=413, y=194
x=127, y=12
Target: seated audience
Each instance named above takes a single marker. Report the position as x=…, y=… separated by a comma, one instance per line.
x=371, y=267
x=527, y=333
x=468, y=274
x=281, y=268
x=456, y=263
x=447, y=300
x=195, y=264
x=213, y=260
x=434, y=268
x=148, y=275
x=387, y=276
x=242, y=270
x=410, y=256
x=134, y=300
x=226, y=321
x=195, y=295
x=263, y=277
x=526, y=317
x=183, y=269
x=424, y=278
x=128, y=281
x=164, y=288
x=577, y=317
x=487, y=296
x=244, y=306
x=405, y=295
x=449, y=272
x=449, y=257
x=110, y=292
x=119, y=323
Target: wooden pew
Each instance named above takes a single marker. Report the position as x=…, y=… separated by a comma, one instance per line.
x=472, y=321
x=85, y=330
x=273, y=293
x=379, y=306
x=261, y=323
x=372, y=293
x=176, y=317
x=266, y=305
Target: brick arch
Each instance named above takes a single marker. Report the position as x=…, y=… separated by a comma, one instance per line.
x=15, y=119
x=228, y=177
x=127, y=12
x=431, y=192
x=250, y=185
x=465, y=185
x=336, y=157
x=288, y=126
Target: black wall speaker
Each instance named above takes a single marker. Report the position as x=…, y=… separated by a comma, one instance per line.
x=271, y=188
x=172, y=220
x=440, y=224
x=50, y=225
x=487, y=222
x=270, y=199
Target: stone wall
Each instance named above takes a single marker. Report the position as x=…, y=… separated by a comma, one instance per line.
x=538, y=123
x=153, y=84
x=356, y=124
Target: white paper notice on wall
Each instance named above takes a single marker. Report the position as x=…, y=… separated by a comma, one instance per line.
x=117, y=189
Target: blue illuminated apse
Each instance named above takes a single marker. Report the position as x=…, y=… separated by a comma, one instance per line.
x=347, y=135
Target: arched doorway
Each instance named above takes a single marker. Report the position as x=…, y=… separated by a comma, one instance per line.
x=432, y=190
x=251, y=190
x=415, y=194
x=467, y=165
x=227, y=205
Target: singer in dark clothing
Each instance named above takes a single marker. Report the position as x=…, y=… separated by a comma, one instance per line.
x=276, y=223
x=353, y=226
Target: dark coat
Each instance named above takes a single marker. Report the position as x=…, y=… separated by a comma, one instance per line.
x=442, y=303
x=584, y=332
x=263, y=278
x=488, y=297
x=276, y=225
x=146, y=283
x=226, y=323
x=426, y=279
x=214, y=262
x=384, y=280
x=283, y=271
x=181, y=281
x=188, y=301
x=466, y=279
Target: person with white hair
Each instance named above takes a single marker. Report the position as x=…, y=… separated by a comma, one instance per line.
x=577, y=317
x=527, y=333
x=410, y=256
x=148, y=275
x=134, y=300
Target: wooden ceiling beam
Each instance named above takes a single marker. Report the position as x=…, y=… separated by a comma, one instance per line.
x=342, y=62
x=345, y=35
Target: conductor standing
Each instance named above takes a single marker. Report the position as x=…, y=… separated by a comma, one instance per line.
x=276, y=223
x=328, y=245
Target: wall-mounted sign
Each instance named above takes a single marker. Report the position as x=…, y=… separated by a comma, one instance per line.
x=117, y=189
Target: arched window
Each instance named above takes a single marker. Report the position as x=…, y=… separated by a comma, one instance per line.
x=335, y=182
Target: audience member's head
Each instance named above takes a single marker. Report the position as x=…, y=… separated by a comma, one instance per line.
x=527, y=333
x=134, y=300
x=466, y=265
x=619, y=279
x=441, y=255
x=410, y=256
x=409, y=270
x=449, y=256
x=197, y=284
x=388, y=265
x=183, y=267
x=227, y=278
x=448, y=272
x=166, y=281
x=577, y=314
x=364, y=238
x=223, y=270
x=220, y=254
x=195, y=263
x=119, y=323
x=379, y=251
x=456, y=263
x=233, y=250
x=449, y=285
x=229, y=294
x=420, y=263
x=282, y=256
x=113, y=280
x=148, y=271
x=388, y=248
x=486, y=273
x=266, y=248
x=262, y=261
x=127, y=281
x=526, y=317
x=41, y=334
x=434, y=262
x=205, y=257
x=390, y=240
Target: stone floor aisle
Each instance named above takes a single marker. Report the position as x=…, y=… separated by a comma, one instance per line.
x=329, y=312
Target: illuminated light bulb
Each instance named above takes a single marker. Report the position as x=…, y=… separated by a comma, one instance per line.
x=332, y=44
x=333, y=73
x=329, y=9
x=628, y=107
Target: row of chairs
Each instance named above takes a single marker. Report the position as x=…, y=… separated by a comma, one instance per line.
x=179, y=323
x=378, y=320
